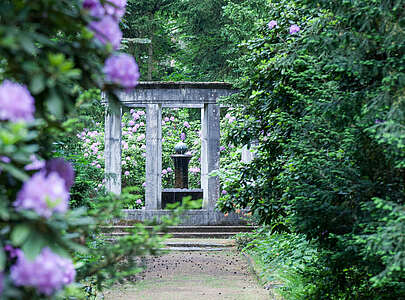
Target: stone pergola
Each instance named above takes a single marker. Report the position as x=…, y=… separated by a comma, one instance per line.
x=154, y=96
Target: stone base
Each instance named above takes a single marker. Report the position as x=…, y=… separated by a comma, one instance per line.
x=196, y=217
x=170, y=196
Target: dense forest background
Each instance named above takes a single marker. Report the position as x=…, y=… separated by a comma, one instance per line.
x=325, y=104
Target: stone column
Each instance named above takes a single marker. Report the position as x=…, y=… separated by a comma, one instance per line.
x=112, y=152
x=210, y=138
x=153, y=194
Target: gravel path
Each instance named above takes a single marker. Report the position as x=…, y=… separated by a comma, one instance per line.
x=192, y=275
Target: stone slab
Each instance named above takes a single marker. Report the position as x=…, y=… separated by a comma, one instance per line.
x=190, y=217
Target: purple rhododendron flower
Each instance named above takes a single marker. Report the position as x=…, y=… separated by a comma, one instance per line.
x=169, y=169
x=144, y=184
x=94, y=7
x=16, y=102
x=186, y=124
x=47, y=273
x=172, y=118
x=294, y=29
x=5, y=159
x=166, y=119
x=224, y=192
x=122, y=69
x=35, y=164
x=272, y=24
x=106, y=30
x=63, y=168
x=222, y=148
x=126, y=173
x=115, y=8
x=139, y=201
x=182, y=136
x=164, y=171
x=141, y=137
x=44, y=194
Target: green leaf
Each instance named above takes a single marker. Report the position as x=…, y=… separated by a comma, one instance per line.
x=19, y=234
x=37, y=84
x=15, y=172
x=33, y=245
x=55, y=104
x=2, y=258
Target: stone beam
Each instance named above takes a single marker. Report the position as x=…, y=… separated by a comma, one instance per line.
x=179, y=94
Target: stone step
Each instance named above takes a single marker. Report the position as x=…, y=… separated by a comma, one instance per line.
x=194, y=249
x=172, y=229
x=183, y=235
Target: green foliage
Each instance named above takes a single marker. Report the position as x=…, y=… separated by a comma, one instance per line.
x=326, y=108
x=47, y=46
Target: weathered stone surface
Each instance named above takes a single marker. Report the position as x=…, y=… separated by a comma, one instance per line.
x=154, y=96
x=112, y=150
x=210, y=141
x=153, y=194
x=190, y=217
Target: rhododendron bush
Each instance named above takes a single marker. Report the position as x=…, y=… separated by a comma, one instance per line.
x=51, y=52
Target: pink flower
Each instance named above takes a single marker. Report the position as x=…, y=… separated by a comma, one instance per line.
x=131, y=123
x=272, y=24
x=167, y=119
x=122, y=69
x=126, y=173
x=142, y=124
x=139, y=201
x=294, y=29
x=144, y=184
x=140, y=112
x=222, y=148
x=169, y=170
x=182, y=136
x=164, y=171
x=172, y=118
x=224, y=192
x=186, y=124
x=98, y=166
x=141, y=137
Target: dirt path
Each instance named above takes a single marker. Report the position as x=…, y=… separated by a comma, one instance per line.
x=192, y=275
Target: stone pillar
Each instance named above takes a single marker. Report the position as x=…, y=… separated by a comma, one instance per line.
x=112, y=151
x=210, y=138
x=153, y=194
